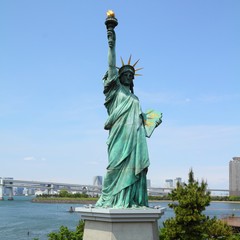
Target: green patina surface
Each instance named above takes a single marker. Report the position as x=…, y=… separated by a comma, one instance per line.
x=125, y=184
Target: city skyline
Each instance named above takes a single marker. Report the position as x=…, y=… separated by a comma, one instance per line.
x=234, y=176
x=53, y=58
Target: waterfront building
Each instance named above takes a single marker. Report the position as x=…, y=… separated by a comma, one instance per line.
x=97, y=181
x=234, y=176
x=148, y=183
x=177, y=180
x=169, y=183
x=31, y=191
x=19, y=191
x=5, y=190
x=25, y=191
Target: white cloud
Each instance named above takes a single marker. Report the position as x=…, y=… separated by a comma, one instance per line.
x=29, y=158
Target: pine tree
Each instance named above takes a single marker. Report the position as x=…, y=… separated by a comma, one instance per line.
x=190, y=223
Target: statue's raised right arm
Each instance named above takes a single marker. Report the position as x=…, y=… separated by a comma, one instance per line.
x=112, y=71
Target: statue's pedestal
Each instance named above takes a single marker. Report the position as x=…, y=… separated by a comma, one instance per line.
x=120, y=224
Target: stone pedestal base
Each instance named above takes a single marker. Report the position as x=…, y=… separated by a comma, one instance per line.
x=120, y=224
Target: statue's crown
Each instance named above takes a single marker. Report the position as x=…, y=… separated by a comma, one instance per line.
x=129, y=67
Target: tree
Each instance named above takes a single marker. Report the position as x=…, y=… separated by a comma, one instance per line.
x=64, y=193
x=65, y=234
x=189, y=202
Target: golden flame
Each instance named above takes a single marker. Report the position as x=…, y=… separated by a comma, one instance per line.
x=110, y=13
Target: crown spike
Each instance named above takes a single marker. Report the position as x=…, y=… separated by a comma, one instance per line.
x=138, y=69
x=122, y=62
x=129, y=67
x=129, y=60
x=135, y=63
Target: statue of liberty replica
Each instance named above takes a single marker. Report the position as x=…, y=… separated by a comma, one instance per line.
x=125, y=183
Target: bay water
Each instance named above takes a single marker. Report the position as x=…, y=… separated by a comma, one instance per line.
x=21, y=219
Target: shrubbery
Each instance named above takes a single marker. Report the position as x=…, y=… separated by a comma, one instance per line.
x=64, y=194
x=65, y=234
x=234, y=198
x=189, y=202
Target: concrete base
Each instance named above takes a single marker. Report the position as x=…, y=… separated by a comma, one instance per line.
x=120, y=224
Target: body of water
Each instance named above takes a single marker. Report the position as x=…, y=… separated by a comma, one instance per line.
x=23, y=220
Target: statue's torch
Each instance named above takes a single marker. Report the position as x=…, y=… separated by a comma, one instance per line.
x=111, y=22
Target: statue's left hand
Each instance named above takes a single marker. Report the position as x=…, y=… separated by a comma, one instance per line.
x=158, y=122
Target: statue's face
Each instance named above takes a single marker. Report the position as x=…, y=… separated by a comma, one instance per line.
x=127, y=78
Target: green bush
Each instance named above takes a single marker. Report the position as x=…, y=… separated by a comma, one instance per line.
x=188, y=203
x=64, y=194
x=65, y=234
x=234, y=198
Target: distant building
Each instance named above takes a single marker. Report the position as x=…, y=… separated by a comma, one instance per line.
x=97, y=181
x=25, y=191
x=31, y=191
x=148, y=183
x=19, y=191
x=234, y=177
x=169, y=183
x=39, y=192
x=177, y=180
x=5, y=189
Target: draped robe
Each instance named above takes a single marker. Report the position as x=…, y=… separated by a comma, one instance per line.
x=125, y=181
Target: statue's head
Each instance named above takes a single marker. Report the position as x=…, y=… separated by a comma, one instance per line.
x=126, y=68
x=127, y=73
x=126, y=78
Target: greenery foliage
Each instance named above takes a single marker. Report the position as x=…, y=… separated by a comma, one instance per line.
x=189, y=202
x=65, y=234
x=213, y=198
x=234, y=198
x=159, y=198
x=64, y=194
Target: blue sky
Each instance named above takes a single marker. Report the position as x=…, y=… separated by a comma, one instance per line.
x=54, y=55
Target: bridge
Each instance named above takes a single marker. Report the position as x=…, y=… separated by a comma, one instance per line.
x=160, y=190
x=54, y=186
x=49, y=186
